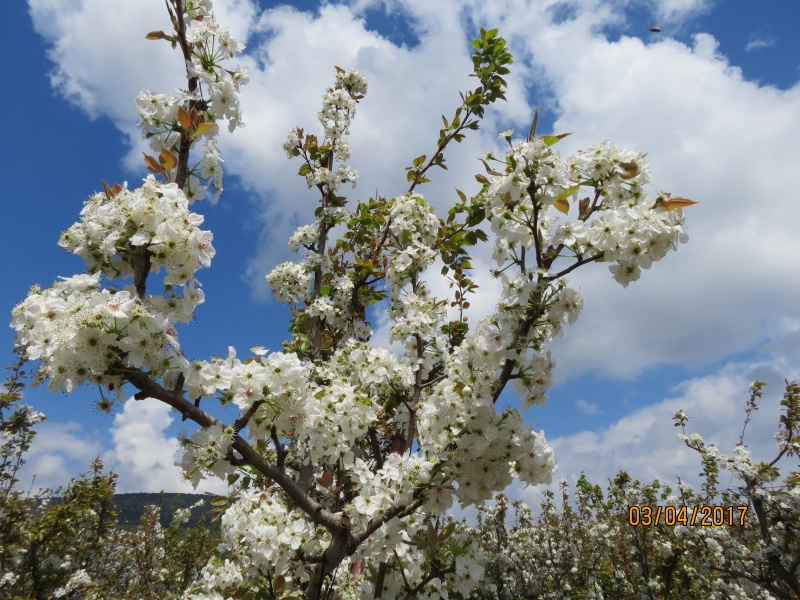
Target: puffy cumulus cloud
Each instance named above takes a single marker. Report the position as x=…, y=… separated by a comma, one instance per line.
x=144, y=456
x=59, y=452
x=711, y=135
x=644, y=444
x=101, y=57
x=141, y=453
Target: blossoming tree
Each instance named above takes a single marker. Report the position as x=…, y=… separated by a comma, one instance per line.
x=346, y=455
x=739, y=543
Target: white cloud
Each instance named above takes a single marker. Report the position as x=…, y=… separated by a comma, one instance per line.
x=141, y=453
x=144, y=456
x=676, y=11
x=58, y=452
x=759, y=43
x=101, y=57
x=687, y=107
x=587, y=408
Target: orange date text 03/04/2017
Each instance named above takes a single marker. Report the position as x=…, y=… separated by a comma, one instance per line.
x=703, y=515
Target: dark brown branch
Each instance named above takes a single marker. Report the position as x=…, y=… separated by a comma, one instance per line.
x=140, y=261
x=280, y=451
x=242, y=421
x=376, y=448
x=315, y=511
x=574, y=266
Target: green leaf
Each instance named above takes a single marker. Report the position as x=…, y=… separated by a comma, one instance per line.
x=279, y=584
x=477, y=215
x=204, y=127
x=568, y=192
x=549, y=140
x=325, y=290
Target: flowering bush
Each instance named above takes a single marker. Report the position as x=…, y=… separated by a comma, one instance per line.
x=595, y=547
x=69, y=544
x=346, y=455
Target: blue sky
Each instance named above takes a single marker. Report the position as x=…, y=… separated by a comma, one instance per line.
x=713, y=98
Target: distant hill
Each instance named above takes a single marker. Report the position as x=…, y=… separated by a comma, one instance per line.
x=131, y=506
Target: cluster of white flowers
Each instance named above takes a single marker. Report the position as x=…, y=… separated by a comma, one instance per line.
x=324, y=419
x=414, y=228
x=631, y=230
x=508, y=201
x=338, y=110
x=205, y=452
x=492, y=448
x=332, y=180
x=291, y=281
x=155, y=216
x=263, y=535
x=304, y=236
x=467, y=566
x=182, y=515
x=392, y=485
x=210, y=44
x=215, y=577
x=78, y=331
x=620, y=173
x=415, y=314
x=79, y=579
x=277, y=376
